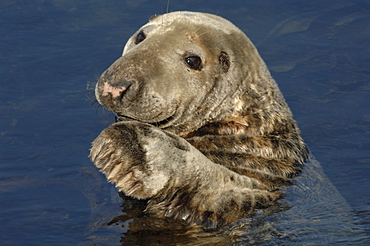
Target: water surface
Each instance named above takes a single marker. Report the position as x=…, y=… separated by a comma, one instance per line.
x=52, y=52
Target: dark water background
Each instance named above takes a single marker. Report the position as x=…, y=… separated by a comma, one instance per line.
x=52, y=52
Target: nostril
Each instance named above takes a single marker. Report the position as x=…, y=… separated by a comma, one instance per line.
x=121, y=83
x=116, y=89
x=126, y=86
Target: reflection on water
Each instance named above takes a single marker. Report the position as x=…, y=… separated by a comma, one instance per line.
x=50, y=194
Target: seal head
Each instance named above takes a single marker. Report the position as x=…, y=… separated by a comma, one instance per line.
x=184, y=70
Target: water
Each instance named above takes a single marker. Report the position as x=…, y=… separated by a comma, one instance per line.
x=51, y=54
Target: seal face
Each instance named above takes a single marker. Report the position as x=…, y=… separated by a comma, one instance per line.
x=206, y=135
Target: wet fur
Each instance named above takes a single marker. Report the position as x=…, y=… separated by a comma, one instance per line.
x=207, y=146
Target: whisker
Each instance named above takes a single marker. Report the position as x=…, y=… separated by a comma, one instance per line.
x=90, y=86
x=98, y=106
x=196, y=31
x=168, y=5
x=199, y=35
x=90, y=97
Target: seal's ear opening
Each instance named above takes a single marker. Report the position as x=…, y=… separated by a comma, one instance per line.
x=224, y=61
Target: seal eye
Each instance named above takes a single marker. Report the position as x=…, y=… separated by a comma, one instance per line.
x=194, y=62
x=140, y=37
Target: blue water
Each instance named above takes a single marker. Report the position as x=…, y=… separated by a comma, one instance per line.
x=52, y=52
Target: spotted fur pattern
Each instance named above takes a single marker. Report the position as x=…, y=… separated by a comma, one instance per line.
x=205, y=142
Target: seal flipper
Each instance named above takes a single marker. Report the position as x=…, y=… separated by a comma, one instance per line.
x=212, y=211
x=181, y=183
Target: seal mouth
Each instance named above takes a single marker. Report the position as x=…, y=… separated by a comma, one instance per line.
x=160, y=124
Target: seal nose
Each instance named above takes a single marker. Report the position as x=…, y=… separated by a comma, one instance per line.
x=112, y=84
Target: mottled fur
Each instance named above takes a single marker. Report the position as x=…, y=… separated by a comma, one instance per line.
x=204, y=145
